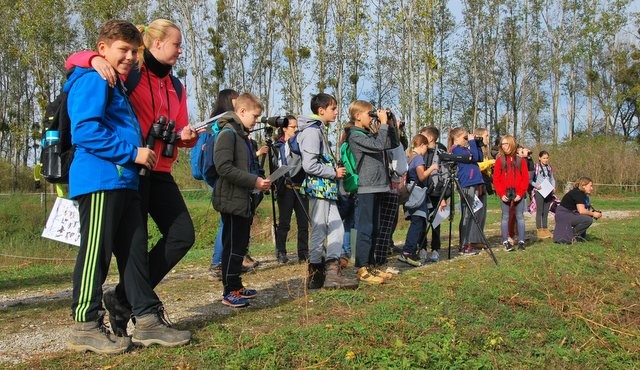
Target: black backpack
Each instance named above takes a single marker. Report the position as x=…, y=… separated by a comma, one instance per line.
x=56, y=157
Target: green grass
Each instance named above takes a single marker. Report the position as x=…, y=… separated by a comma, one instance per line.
x=553, y=306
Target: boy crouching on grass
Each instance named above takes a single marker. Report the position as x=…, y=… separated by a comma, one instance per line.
x=232, y=197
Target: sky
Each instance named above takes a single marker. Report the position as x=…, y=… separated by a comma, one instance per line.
x=630, y=32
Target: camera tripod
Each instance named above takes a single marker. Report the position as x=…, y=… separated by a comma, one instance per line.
x=287, y=181
x=451, y=182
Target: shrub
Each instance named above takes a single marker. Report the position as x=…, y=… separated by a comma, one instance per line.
x=611, y=162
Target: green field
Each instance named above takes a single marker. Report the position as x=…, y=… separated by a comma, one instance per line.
x=552, y=306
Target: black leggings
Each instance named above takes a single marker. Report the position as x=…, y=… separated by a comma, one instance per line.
x=542, y=209
x=162, y=200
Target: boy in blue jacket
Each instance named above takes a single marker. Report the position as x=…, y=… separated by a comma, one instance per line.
x=103, y=179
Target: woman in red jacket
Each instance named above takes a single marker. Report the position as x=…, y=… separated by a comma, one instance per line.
x=154, y=93
x=510, y=180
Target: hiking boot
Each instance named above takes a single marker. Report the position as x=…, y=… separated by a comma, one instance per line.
x=163, y=316
x=435, y=256
x=94, y=336
x=344, y=262
x=316, y=277
x=234, y=299
x=215, y=272
x=335, y=279
x=250, y=262
x=119, y=312
x=521, y=245
x=377, y=272
x=151, y=329
x=367, y=277
x=410, y=259
x=547, y=233
x=282, y=258
x=508, y=246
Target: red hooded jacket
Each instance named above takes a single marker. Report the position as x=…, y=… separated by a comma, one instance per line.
x=508, y=176
x=165, y=100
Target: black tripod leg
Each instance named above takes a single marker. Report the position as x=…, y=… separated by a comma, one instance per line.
x=273, y=191
x=447, y=184
x=287, y=179
x=430, y=217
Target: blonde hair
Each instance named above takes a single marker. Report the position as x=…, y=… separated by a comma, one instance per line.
x=358, y=106
x=479, y=132
x=156, y=30
x=453, y=134
x=248, y=101
x=582, y=182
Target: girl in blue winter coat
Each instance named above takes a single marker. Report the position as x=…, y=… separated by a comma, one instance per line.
x=462, y=144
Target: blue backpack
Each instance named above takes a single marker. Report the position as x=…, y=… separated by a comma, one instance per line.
x=207, y=167
x=197, y=156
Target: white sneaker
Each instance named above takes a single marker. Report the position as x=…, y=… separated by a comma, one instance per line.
x=424, y=255
x=392, y=270
x=435, y=256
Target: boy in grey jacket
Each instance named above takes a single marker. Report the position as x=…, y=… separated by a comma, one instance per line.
x=232, y=195
x=373, y=182
x=322, y=189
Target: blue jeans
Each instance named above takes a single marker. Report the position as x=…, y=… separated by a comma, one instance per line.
x=216, y=259
x=415, y=234
x=367, y=224
x=518, y=209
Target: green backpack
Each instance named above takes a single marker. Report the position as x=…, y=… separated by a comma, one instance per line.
x=350, y=180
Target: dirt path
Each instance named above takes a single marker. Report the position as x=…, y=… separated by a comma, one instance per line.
x=36, y=322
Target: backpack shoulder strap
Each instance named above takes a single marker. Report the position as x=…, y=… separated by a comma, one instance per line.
x=132, y=80
x=177, y=85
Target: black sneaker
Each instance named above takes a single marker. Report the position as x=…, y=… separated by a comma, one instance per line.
x=521, y=245
x=508, y=246
x=410, y=259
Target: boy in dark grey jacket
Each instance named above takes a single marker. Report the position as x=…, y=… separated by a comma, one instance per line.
x=232, y=195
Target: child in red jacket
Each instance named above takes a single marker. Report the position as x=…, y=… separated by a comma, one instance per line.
x=510, y=180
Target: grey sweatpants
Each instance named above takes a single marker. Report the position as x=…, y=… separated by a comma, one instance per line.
x=326, y=224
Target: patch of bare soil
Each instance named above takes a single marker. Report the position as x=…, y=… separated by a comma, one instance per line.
x=37, y=322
